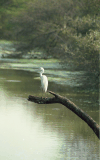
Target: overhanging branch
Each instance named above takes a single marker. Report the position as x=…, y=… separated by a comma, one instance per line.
x=70, y=105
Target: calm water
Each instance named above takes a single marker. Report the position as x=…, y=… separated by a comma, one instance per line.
x=29, y=131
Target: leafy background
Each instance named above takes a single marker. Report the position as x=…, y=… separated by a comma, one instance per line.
x=68, y=30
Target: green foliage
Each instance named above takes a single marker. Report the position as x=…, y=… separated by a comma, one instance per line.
x=84, y=44
x=85, y=24
x=91, y=7
x=68, y=29
x=88, y=49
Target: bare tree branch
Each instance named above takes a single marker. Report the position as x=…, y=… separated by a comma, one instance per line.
x=70, y=105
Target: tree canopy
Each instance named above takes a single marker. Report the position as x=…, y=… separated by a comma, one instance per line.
x=68, y=29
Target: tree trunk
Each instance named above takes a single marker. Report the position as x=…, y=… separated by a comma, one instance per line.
x=70, y=105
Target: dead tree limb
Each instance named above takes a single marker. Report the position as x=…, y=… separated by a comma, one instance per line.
x=70, y=105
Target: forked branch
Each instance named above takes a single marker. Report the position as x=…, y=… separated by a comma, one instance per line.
x=70, y=105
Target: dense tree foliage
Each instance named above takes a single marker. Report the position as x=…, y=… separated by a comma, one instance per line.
x=68, y=29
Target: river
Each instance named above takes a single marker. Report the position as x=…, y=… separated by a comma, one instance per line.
x=30, y=131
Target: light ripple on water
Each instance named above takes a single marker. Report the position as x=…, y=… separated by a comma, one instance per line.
x=13, y=80
x=62, y=81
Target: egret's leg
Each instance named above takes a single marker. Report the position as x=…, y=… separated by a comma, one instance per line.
x=42, y=92
x=46, y=94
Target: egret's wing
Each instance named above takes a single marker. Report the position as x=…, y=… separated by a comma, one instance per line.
x=44, y=82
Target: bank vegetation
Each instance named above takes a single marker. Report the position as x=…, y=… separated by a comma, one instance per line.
x=68, y=30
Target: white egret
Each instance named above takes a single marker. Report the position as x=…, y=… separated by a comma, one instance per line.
x=44, y=80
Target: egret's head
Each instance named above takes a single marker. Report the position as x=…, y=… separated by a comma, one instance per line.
x=41, y=69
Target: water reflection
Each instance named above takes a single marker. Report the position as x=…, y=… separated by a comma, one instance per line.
x=31, y=131
x=22, y=134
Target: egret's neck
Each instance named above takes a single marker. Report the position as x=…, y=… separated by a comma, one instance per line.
x=41, y=73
